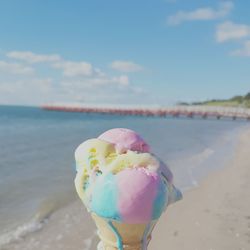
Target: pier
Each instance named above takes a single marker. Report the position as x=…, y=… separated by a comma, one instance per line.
x=174, y=111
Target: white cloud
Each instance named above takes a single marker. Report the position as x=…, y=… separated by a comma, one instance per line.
x=231, y=31
x=245, y=51
x=138, y=90
x=26, y=91
x=44, y=84
x=122, y=80
x=38, y=84
x=126, y=66
x=96, y=82
x=78, y=81
x=72, y=69
x=31, y=57
x=15, y=68
x=69, y=68
x=202, y=14
x=96, y=89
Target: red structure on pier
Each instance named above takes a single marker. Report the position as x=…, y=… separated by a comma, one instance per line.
x=175, y=111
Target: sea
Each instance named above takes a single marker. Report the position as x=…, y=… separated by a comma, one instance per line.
x=37, y=167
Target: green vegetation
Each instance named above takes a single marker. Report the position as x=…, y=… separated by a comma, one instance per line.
x=236, y=101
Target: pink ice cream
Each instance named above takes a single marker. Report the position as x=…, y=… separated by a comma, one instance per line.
x=136, y=204
x=125, y=139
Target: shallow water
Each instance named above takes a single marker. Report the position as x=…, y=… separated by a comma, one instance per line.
x=37, y=166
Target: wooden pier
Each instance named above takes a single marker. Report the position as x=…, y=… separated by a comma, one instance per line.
x=175, y=111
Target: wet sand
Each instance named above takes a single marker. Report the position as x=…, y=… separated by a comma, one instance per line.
x=213, y=216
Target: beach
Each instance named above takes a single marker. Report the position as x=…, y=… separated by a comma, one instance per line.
x=213, y=216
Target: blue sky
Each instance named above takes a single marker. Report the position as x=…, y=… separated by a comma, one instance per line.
x=129, y=52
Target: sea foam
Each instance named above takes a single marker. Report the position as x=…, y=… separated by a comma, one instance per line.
x=21, y=231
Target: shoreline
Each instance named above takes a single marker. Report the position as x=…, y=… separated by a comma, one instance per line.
x=207, y=217
x=215, y=215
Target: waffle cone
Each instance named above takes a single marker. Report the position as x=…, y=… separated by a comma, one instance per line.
x=120, y=236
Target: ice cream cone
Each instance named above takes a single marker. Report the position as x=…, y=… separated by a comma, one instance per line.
x=121, y=236
x=124, y=186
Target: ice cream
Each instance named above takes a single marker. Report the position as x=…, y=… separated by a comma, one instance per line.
x=118, y=179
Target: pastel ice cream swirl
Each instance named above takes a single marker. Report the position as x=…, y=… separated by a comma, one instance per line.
x=118, y=178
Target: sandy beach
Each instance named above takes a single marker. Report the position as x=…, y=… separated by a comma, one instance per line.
x=213, y=216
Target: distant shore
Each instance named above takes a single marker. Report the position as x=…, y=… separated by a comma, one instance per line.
x=215, y=215
x=238, y=101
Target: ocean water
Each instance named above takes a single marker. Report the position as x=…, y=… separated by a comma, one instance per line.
x=37, y=166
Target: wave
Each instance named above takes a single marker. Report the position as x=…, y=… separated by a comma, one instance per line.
x=36, y=223
x=196, y=160
x=201, y=157
x=21, y=231
x=185, y=167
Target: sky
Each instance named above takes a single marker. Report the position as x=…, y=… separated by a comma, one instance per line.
x=151, y=52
